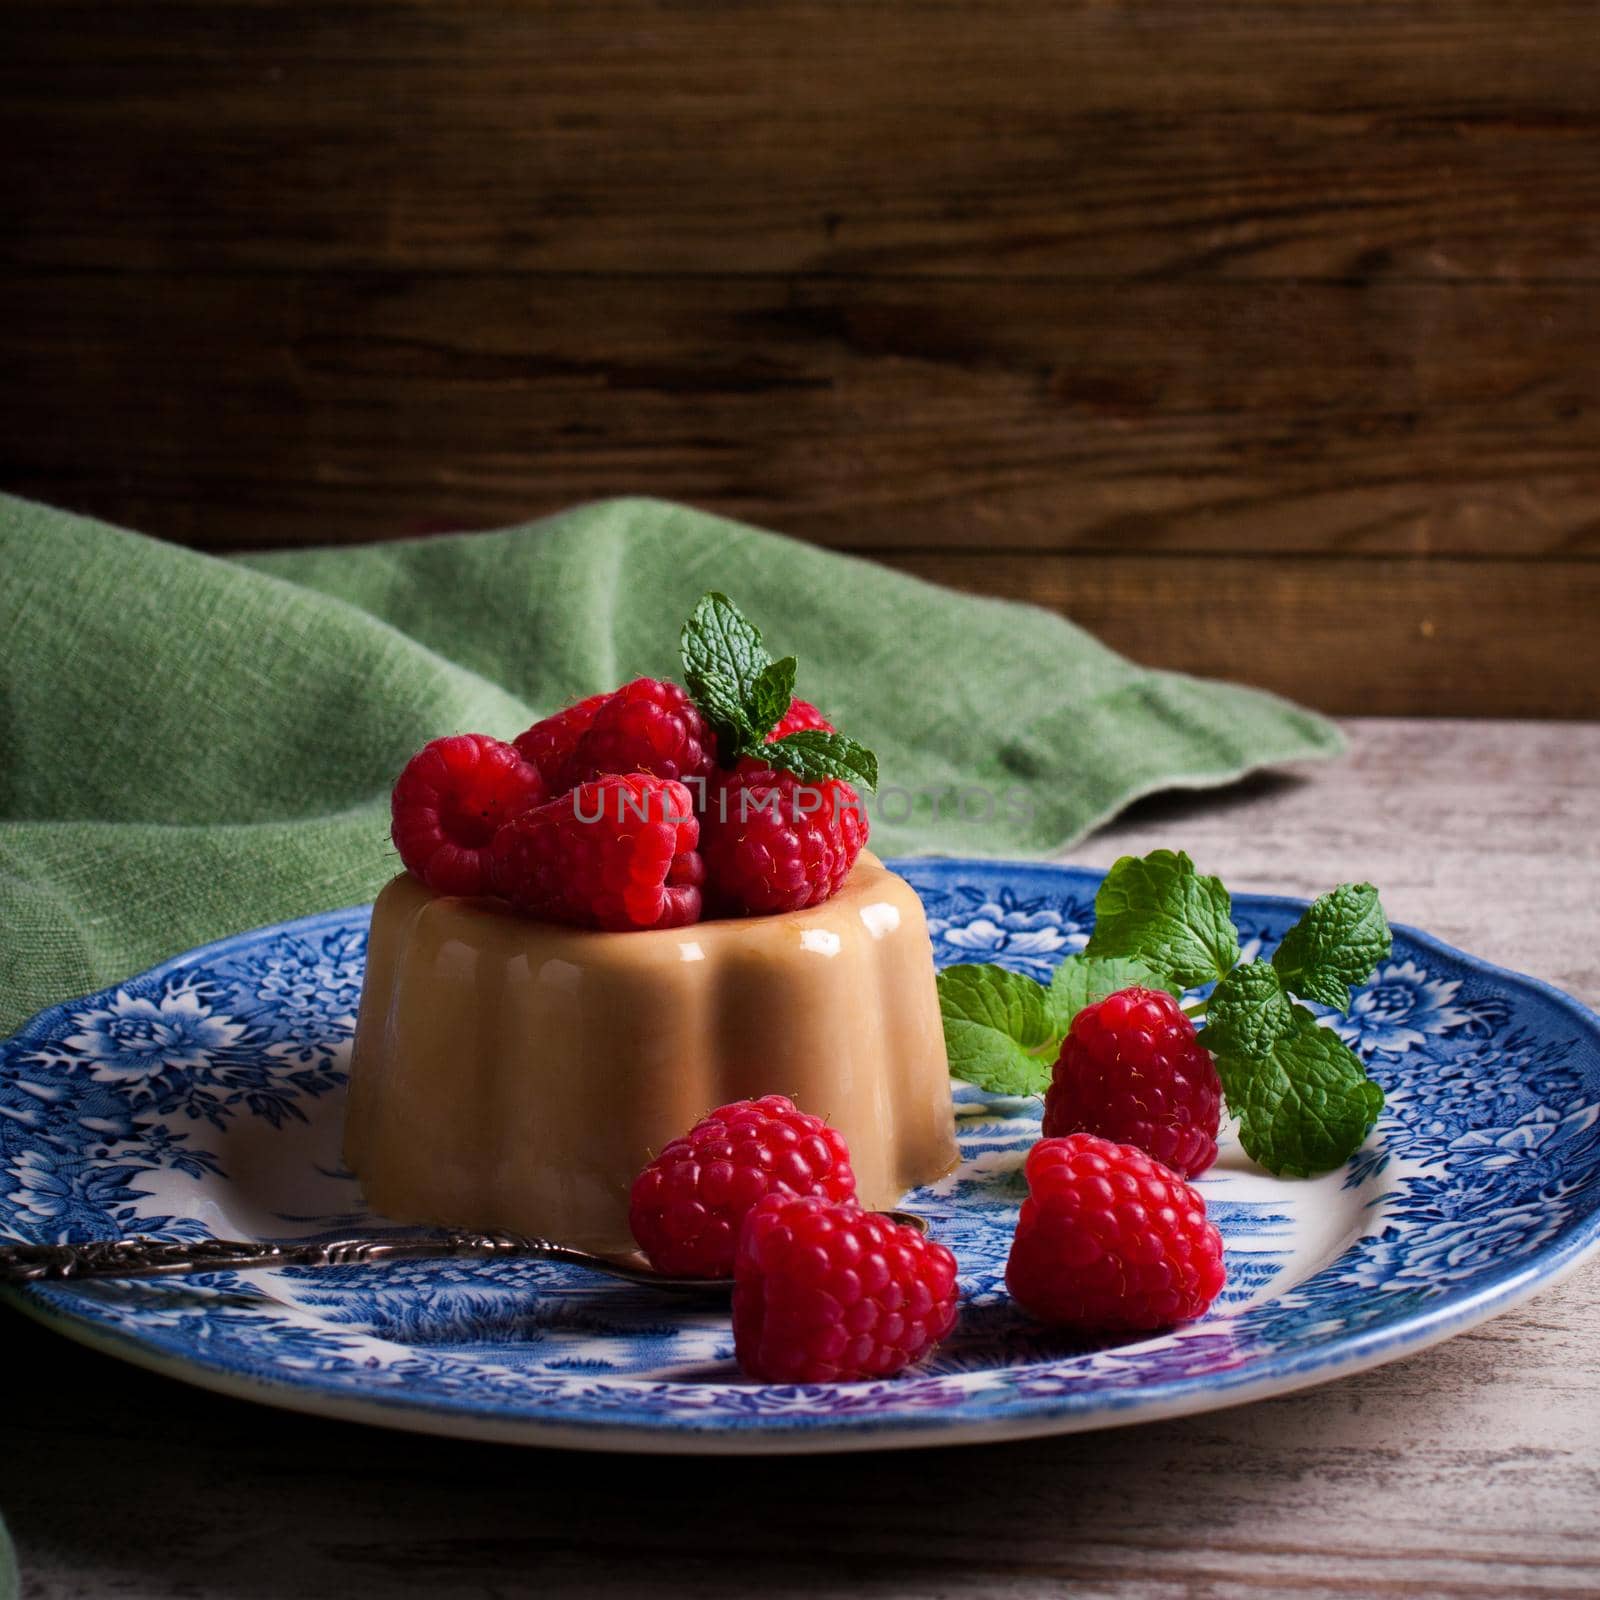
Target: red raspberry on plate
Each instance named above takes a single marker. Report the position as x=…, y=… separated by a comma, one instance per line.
x=549, y=743
x=826, y=1293
x=776, y=842
x=449, y=802
x=1111, y=1241
x=801, y=717
x=617, y=853
x=645, y=726
x=1134, y=1071
x=687, y=1205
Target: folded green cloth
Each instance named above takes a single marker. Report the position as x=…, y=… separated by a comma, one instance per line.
x=192, y=746
x=9, y=1587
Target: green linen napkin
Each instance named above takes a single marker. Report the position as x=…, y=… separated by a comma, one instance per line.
x=192, y=746
x=9, y=1587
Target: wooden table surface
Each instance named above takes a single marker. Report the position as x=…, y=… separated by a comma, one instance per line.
x=1472, y=1469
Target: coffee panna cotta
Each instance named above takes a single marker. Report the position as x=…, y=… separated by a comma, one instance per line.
x=578, y=963
x=514, y=1074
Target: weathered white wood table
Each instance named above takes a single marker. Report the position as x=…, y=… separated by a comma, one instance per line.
x=1472, y=1469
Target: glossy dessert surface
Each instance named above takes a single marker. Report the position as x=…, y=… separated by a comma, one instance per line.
x=516, y=1074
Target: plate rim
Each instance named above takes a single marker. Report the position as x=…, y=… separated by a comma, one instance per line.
x=761, y=1439
x=1282, y=1373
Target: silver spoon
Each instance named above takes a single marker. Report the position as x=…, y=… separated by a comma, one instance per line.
x=154, y=1258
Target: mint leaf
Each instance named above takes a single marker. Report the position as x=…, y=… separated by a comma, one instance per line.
x=770, y=695
x=1337, y=943
x=1159, y=910
x=999, y=1031
x=719, y=642
x=1248, y=1012
x=1304, y=1104
x=745, y=694
x=719, y=699
x=814, y=755
x=1084, y=980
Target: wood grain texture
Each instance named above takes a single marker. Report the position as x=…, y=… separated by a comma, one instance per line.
x=1238, y=511
x=1176, y=137
x=271, y=408
x=1470, y=1470
x=1367, y=635
x=1182, y=279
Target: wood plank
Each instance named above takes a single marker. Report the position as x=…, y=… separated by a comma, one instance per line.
x=1369, y=636
x=229, y=409
x=1409, y=139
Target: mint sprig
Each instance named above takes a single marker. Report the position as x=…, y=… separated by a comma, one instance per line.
x=1334, y=945
x=722, y=647
x=1000, y=1029
x=1303, y=1099
x=815, y=754
x=771, y=693
x=745, y=694
x=1161, y=911
x=1304, y=1103
x=1085, y=980
x=1003, y=1030
x=1250, y=1010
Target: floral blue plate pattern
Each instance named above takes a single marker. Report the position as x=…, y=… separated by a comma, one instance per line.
x=205, y=1097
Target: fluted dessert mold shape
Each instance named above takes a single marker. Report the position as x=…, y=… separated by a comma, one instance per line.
x=514, y=1075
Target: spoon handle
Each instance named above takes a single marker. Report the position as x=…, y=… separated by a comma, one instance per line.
x=139, y=1257
x=148, y=1258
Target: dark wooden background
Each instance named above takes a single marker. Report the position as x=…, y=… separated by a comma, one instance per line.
x=1262, y=338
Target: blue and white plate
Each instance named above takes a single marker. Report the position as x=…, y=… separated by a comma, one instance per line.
x=205, y=1097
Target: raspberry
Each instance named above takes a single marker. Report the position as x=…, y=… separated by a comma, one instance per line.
x=447, y=804
x=548, y=744
x=776, y=842
x=1132, y=1070
x=824, y=1292
x=687, y=1205
x=618, y=853
x=646, y=726
x=801, y=717
x=1111, y=1241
